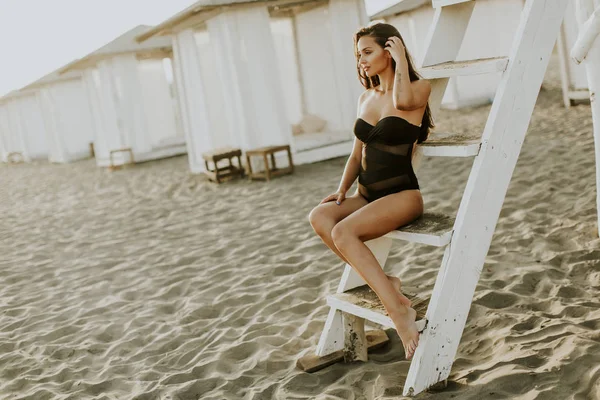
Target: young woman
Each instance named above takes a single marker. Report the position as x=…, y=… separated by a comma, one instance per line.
x=393, y=115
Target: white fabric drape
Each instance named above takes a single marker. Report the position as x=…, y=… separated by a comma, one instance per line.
x=248, y=71
x=192, y=98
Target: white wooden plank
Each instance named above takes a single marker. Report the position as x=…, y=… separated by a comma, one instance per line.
x=355, y=340
x=587, y=48
x=367, y=307
x=450, y=145
x=485, y=192
x=332, y=337
x=464, y=68
x=582, y=94
x=434, y=229
x=447, y=3
x=443, y=44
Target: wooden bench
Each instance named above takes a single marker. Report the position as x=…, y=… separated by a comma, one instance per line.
x=269, y=171
x=229, y=171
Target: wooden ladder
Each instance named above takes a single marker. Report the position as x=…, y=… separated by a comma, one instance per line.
x=466, y=237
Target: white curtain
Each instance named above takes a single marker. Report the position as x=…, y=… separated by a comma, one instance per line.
x=192, y=98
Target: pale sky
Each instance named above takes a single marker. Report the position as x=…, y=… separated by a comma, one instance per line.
x=39, y=36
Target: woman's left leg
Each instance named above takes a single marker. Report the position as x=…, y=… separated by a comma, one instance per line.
x=372, y=221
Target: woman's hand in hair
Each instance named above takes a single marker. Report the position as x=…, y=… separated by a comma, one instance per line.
x=395, y=47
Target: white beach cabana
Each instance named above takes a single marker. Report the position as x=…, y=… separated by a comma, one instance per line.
x=489, y=34
x=250, y=73
x=23, y=134
x=66, y=114
x=132, y=103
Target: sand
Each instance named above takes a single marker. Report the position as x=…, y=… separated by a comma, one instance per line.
x=151, y=283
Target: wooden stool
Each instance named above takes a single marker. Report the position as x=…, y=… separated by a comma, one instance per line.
x=223, y=172
x=269, y=172
x=112, y=165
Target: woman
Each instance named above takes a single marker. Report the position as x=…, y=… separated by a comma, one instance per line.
x=393, y=115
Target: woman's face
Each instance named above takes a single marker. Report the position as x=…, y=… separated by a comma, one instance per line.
x=372, y=58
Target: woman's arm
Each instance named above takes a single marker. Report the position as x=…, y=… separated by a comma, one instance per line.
x=352, y=167
x=407, y=95
x=353, y=164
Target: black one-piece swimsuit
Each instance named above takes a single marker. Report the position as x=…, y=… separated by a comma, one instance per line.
x=386, y=166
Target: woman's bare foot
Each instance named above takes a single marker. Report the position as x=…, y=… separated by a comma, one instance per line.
x=407, y=330
x=397, y=283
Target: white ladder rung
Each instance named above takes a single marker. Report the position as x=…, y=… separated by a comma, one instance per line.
x=364, y=303
x=464, y=68
x=434, y=229
x=450, y=145
x=446, y=3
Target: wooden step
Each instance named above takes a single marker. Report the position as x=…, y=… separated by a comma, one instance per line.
x=450, y=145
x=446, y=3
x=464, y=68
x=434, y=229
x=364, y=303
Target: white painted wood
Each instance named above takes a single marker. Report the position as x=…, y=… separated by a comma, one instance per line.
x=587, y=49
x=579, y=94
x=448, y=3
x=573, y=75
x=355, y=340
x=464, y=68
x=434, y=229
x=351, y=304
x=443, y=44
x=332, y=337
x=468, y=148
x=564, y=65
x=482, y=201
x=589, y=30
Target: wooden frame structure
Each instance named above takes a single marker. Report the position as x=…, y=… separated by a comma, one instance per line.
x=269, y=171
x=228, y=171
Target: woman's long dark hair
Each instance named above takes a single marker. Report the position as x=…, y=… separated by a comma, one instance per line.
x=381, y=32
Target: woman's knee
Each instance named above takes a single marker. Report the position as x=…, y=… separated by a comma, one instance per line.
x=340, y=233
x=320, y=221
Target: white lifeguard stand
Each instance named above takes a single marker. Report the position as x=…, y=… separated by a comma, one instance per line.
x=132, y=104
x=22, y=128
x=466, y=237
x=67, y=115
x=274, y=67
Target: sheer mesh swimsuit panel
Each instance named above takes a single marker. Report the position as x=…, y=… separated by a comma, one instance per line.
x=386, y=166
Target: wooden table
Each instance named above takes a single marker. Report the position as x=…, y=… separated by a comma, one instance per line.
x=228, y=171
x=266, y=152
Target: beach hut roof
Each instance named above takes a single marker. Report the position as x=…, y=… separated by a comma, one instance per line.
x=53, y=77
x=400, y=7
x=196, y=14
x=16, y=94
x=125, y=44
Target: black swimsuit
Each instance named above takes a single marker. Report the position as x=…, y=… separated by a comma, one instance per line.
x=386, y=166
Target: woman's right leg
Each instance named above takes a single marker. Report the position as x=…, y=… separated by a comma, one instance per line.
x=324, y=217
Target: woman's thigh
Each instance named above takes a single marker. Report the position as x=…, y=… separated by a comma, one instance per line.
x=330, y=213
x=383, y=215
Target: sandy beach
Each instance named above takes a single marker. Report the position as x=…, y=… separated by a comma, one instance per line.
x=152, y=283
